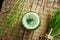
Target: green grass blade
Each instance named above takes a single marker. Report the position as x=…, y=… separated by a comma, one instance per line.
x=14, y=30
x=55, y=24
x=11, y=20
x=13, y=8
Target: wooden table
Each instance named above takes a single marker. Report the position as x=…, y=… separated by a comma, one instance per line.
x=44, y=8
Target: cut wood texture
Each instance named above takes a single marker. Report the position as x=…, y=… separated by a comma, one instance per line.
x=44, y=8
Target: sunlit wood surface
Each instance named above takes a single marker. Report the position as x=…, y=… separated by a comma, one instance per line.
x=44, y=8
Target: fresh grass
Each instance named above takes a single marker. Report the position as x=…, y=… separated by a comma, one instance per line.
x=8, y=12
x=55, y=24
x=13, y=18
x=17, y=23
